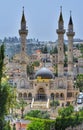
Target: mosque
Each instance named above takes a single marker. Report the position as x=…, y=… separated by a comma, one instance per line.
x=45, y=86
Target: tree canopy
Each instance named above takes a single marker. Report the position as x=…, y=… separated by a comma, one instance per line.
x=4, y=90
x=79, y=82
x=36, y=125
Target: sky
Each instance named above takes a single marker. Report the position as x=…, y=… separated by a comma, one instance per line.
x=41, y=17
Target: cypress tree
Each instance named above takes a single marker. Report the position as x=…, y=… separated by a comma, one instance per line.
x=3, y=90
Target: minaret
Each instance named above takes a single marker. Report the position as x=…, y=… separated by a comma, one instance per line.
x=23, y=33
x=60, y=31
x=70, y=35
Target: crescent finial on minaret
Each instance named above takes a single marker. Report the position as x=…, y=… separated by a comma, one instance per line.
x=60, y=8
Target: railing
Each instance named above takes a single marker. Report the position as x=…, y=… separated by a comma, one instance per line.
x=48, y=103
x=40, y=97
x=32, y=102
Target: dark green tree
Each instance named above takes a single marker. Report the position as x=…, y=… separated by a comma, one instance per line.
x=4, y=90
x=7, y=126
x=54, y=50
x=54, y=103
x=1, y=61
x=36, y=63
x=30, y=69
x=56, y=70
x=21, y=105
x=11, y=101
x=79, y=82
x=81, y=49
x=38, y=114
x=65, y=61
x=65, y=112
x=78, y=46
x=44, y=49
x=65, y=48
x=36, y=125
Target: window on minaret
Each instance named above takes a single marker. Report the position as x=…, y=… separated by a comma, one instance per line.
x=60, y=48
x=22, y=48
x=23, y=26
x=69, y=49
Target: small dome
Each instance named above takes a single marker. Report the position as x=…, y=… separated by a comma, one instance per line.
x=44, y=73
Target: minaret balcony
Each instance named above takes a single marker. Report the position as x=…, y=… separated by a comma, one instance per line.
x=60, y=31
x=23, y=32
x=70, y=33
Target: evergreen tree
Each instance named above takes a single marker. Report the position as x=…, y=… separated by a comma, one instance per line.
x=44, y=49
x=79, y=82
x=1, y=61
x=3, y=90
x=81, y=49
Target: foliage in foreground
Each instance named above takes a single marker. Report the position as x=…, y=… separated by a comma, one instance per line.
x=4, y=92
x=79, y=82
x=40, y=124
x=36, y=126
x=67, y=117
x=38, y=114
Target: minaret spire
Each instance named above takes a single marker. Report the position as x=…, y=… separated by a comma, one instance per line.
x=23, y=17
x=70, y=21
x=70, y=35
x=61, y=8
x=61, y=16
x=60, y=31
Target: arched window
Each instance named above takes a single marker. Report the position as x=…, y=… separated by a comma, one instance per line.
x=62, y=95
x=57, y=95
x=25, y=95
x=60, y=83
x=22, y=83
x=30, y=96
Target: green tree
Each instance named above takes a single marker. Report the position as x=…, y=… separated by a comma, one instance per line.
x=54, y=50
x=65, y=112
x=4, y=90
x=78, y=46
x=11, y=102
x=38, y=114
x=30, y=69
x=81, y=49
x=21, y=105
x=36, y=63
x=36, y=125
x=54, y=103
x=56, y=70
x=79, y=82
x=44, y=49
x=1, y=61
x=7, y=126
x=65, y=61
x=75, y=59
x=65, y=48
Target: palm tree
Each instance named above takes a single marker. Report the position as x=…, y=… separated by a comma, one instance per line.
x=11, y=103
x=21, y=106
